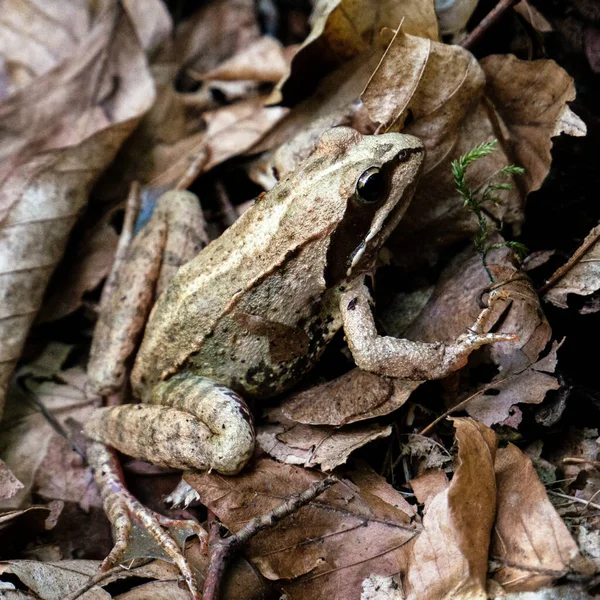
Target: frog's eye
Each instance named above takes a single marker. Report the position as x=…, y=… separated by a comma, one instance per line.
x=371, y=186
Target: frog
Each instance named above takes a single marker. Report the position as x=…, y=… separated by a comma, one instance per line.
x=251, y=314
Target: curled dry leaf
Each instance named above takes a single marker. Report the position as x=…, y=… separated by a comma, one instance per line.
x=262, y=60
x=453, y=307
x=355, y=396
x=334, y=542
x=582, y=279
x=452, y=103
x=450, y=554
x=307, y=445
x=54, y=153
x=530, y=541
x=343, y=29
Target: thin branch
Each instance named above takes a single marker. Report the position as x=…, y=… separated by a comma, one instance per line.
x=132, y=208
x=575, y=499
x=577, y=256
x=488, y=21
x=462, y=403
x=581, y=461
x=221, y=550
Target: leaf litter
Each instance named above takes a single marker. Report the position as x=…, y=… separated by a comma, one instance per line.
x=96, y=96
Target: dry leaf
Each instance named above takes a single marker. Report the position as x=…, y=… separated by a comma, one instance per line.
x=528, y=532
x=583, y=279
x=450, y=555
x=80, y=272
x=428, y=485
x=262, y=60
x=328, y=547
x=54, y=581
x=34, y=451
x=55, y=151
x=533, y=16
x=9, y=484
x=355, y=396
x=453, y=307
x=529, y=386
x=297, y=444
x=440, y=90
x=213, y=34
x=343, y=29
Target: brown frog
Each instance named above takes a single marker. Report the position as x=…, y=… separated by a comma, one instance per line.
x=253, y=311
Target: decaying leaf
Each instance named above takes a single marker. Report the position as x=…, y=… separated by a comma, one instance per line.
x=41, y=458
x=308, y=445
x=9, y=484
x=453, y=104
x=450, y=554
x=353, y=397
x=328, y=547
x=343, y=29
x=55, y=151
x=528, y=386
x=453, y=307
x=582, y=279
x=530, y=542
x=262, y=60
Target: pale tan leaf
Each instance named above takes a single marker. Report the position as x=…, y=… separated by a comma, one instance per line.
x=428, y=485
x=328, y=547
x=452, y=108
x=583, y=279
x=156, y=590
x=308, y=445
x=530, y=540
x=533, y=16
x=54, y=581
x=343, y=29
x=262, y=60
x=450, y=555
x=55, y=151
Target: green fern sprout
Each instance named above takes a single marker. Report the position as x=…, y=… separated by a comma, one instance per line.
x=473, y=200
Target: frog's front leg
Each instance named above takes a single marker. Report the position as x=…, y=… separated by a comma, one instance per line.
x=191, y=422
x=405, y=359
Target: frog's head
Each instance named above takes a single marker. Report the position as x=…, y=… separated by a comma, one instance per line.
x=377, y=175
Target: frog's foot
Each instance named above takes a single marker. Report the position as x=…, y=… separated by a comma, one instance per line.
x=122, y=508
x=405, y=359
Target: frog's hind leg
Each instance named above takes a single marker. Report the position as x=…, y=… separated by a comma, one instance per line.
x=120, y=505
x=174, y=235
x=193, y=423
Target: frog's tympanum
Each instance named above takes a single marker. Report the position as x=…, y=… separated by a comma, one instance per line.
x=251, y=314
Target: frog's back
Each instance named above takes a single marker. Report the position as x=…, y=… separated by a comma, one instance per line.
x=224, y=311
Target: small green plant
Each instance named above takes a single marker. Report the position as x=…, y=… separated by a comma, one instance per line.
x=473, y=200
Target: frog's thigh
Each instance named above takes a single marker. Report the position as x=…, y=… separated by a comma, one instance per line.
x=192, y=423
x=394, y=357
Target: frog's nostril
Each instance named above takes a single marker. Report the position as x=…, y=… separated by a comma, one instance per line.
x=403, y=155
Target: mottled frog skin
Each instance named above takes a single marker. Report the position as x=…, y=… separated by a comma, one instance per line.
x=255, y=309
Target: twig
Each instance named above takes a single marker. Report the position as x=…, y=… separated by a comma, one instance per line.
x=562, y=271
x=488, y=21
x=220, y=550
x=581, y=461
x=132, y=208
x=575, y=499
x=101, y=576
x=462, y=403
x=194, y=169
